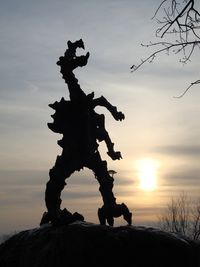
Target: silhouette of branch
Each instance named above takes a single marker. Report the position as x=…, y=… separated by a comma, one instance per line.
x=182, y=216
x=181, y=20
x=188, y=13
x=193, y=83
x=159, y=7
x=167, y=47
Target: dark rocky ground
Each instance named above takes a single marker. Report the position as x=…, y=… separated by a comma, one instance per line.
x=85, y=244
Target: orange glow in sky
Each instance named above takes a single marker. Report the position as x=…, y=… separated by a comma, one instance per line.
x=147, y=174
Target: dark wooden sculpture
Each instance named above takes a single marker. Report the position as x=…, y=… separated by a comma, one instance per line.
x=82, y=128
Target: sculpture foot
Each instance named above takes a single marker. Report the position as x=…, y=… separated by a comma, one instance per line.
x=108, y=213
x=63, y=217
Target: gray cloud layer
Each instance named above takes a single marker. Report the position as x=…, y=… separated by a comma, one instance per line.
x=33, y=36
x=179, y=150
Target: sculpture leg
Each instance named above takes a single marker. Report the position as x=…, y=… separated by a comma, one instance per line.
x=100, y=170
x=54, y=187
x=99, y=167
x=110, y=209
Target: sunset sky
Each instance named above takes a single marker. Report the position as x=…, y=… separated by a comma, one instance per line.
x=159, y=139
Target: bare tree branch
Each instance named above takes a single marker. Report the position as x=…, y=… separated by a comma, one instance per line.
x=170, y=22
x=181, y=20
x=167, y=47
x=182, y=216
x=159, y=7
x=193, y=83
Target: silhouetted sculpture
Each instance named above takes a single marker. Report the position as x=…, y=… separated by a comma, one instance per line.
x=81, y=127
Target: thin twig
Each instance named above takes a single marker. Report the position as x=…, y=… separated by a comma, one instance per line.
x=180, y=96
x=158, y=8
x=167, y=47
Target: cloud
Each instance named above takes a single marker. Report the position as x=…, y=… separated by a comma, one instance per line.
x=183, y=176
x=22, y=177
x=33, y=36
x=179, y=150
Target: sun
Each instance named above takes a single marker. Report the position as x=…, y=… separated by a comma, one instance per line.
x=147, y=174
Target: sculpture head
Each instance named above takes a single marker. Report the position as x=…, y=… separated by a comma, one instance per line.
x=76, y=44
x=70, y=60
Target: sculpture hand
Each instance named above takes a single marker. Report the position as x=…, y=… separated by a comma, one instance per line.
x=119, y=116
x=114, y=155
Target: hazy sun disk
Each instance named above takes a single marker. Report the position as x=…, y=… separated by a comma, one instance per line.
x=147, y=174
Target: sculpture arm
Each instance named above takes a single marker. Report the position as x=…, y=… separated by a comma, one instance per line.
x=103, y=102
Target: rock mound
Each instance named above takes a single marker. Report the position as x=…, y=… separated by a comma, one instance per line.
x=86, y=244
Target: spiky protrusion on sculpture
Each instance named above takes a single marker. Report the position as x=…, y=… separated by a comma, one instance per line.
x=81, y=127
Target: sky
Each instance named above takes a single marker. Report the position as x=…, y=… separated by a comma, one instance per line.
x=159, y=138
